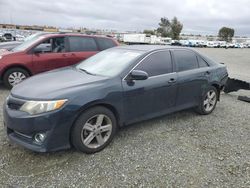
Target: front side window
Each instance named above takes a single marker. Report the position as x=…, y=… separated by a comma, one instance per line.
x=52, y=45
x=79, y=44
x=186, y=60
x=156, y=64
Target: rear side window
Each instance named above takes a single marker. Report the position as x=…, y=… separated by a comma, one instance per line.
x=186, y=60
x=202, y=62
x=105, y=43
x=78, y=44
x=156, y=64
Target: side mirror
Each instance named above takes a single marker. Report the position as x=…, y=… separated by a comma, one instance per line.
x=138, y=75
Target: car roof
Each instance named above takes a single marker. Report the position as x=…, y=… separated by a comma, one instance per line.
x=47, y=34
x=150, y=48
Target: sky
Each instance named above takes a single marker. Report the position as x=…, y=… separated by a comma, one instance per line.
x=197, y=16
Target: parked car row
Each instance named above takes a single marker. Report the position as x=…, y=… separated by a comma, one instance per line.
x=208, y=44
x=47, y=51
x=7, y=37
x=9, y=45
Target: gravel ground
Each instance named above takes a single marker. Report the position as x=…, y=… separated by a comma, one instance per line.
x=178, y=150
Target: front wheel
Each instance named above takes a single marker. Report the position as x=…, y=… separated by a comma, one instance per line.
x=14, y=76
x=208, y=101
x=94, y=130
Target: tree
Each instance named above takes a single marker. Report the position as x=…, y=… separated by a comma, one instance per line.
x=149, y=32
x=165, y=27
x=226, y=34
x=170, y=29
x=176, y=27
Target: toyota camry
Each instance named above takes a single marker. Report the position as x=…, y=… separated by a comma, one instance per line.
x=84, y=105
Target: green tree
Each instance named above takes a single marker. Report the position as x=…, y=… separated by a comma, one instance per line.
x=226, y=34
x=149, y=32
x=165, y=27
x=170, y=29
x=176, y=27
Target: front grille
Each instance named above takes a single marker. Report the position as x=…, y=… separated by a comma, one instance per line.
x=14, y=106
x=14, y=103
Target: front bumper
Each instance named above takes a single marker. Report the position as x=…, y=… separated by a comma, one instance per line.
x=22, y=127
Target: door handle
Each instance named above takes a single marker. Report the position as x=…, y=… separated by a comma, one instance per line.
x=172, y=80
x=207, y=72
x=64, y=55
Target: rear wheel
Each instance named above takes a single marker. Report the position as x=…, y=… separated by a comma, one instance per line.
x=94, y=130
x=208, y=102
x=14, y=76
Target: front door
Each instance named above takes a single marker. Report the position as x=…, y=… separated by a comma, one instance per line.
x=50, y=54
x=155, y=95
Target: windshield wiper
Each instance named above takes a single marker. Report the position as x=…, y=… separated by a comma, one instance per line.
x=84, y=70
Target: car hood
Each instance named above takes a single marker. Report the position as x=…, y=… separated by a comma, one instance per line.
x=56, y=84
x=5, y=52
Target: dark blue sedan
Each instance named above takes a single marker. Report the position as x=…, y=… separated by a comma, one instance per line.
x=84, y=105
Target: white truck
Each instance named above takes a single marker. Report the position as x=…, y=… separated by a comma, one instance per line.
x=141, y=38
x=136, y=39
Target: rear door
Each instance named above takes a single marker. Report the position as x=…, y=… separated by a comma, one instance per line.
x=80, y=48
x=52, y=54
x=154, y=96
x=192, y=77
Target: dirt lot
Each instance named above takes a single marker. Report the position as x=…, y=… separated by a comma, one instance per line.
x=178, y=150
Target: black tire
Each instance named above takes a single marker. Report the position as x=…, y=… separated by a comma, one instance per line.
x=201, y=108
x=76, y=133
x=9, y=72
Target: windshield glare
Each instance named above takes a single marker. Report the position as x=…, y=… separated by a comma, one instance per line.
x=109, y=62
x=27, y=43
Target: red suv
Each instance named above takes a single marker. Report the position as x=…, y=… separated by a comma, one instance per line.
x=46, y=51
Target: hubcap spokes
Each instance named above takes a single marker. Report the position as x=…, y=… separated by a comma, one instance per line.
x=16, y=77
x=96, y=131
x=210, y=100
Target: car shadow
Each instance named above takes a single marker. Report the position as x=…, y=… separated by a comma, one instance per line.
x=2, y=88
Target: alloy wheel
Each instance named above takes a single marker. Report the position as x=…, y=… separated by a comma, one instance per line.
x=96, y=131
x=210, y=100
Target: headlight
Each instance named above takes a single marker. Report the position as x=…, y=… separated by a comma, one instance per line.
x=38, y=107
x=1, y=57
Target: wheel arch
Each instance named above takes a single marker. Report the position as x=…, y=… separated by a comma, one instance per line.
x=218, y=88
x=16, y=66
x=92, y=105
x=103, y=104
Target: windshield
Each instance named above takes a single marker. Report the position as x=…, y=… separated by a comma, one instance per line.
x=109, y=62
x=27, y=43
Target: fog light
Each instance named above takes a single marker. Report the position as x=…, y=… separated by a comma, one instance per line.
x=39, y=137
